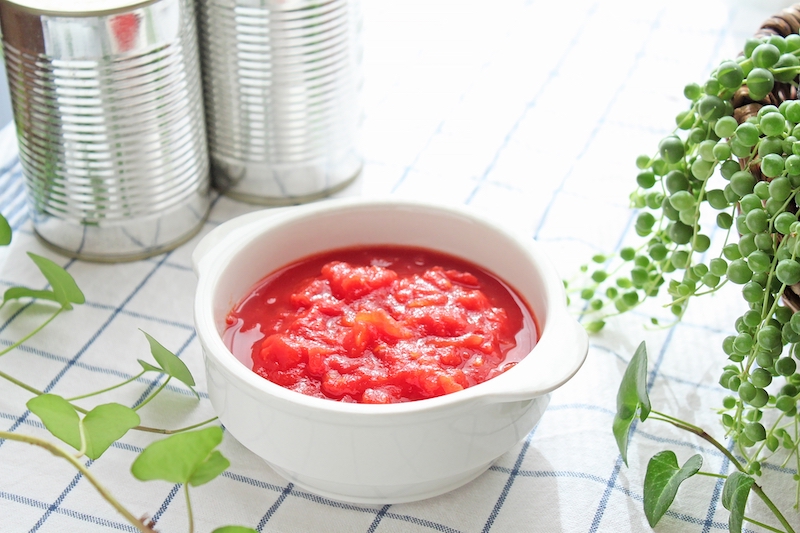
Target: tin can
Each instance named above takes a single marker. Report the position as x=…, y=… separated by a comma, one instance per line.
x=282, y=80
x=107, y=101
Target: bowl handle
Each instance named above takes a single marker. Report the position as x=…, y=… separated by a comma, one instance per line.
x=557, y=356
x=224, y=230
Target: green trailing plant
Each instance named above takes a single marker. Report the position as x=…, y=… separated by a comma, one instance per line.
x=664, y=474
x=730, y=167
x=187, y=456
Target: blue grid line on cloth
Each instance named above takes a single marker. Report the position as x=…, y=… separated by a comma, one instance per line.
x=11, y=186
x=640, y=433
x=415, y=520
x=552, y=76
x=583, y=406
x=421, y=522
x=75, y=359
x=165, y=504
x=715, y=495
x=10, y=168
x=66, y=512
x=274, y=507
x=596, y=129
x=683, y=381
x=378, y=517
x=668, y=377
x=558, y=473
x=176, y=266
x=724, y=33
x=592, y=245
x=407, y=170
x=36, y=424
x=612, y=481
x=611, y=484
x=429, y=524
x=12, y=193
x=310, y=496
x=708, y=451
x=102, y=370
x=623, y=490
x=107, y=307
x=147, y=277
x=14, y=316
x=512, y=476
x=56, y=504
x=260, y=484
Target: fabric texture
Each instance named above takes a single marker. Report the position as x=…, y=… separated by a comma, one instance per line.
x=530, y=111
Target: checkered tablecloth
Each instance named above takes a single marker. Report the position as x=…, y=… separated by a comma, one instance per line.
x=528, y=110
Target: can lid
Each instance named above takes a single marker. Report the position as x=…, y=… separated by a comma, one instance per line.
x=74, y=8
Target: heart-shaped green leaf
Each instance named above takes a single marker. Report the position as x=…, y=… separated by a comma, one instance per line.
x=102, y=426
x=734, y=498
x=234, y=529
x=58, y=416
x=63, y=284
x=170, y=363
x=147, y=367
x=211, y=468
x=631, y=397
x=177, y=458
x=661, y=482
x=105, y=424
x=15, y=293
x=5, y=231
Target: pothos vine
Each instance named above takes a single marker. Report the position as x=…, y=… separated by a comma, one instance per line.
x=188, y=456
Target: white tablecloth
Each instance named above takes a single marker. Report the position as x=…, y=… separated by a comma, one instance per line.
x=530, y=111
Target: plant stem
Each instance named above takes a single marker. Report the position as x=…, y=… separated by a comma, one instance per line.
x=159, y=389
x=31, y=334
x=82, y=431
x=171, y=431
x=797, y=459
x=692, y=295
x=30, y=389
x=81, y=410
x=18, y=383
x=782, y=519
x=112, y=387
x=189, y=507
x=711, y=474
x=58, y=452
x=735, y=462
x=761, y=524
x=678, y=422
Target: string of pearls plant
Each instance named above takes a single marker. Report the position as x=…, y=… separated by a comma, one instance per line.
x=742, y=175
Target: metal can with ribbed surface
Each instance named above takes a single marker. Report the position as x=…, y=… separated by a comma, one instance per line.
x=282, y=80
x=107, y=100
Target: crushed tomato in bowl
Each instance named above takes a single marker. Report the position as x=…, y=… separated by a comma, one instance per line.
x=380, y=325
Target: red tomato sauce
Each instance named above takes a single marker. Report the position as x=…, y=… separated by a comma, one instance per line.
x=380, y=325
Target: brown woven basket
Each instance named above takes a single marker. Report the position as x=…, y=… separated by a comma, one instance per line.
x=784, y=23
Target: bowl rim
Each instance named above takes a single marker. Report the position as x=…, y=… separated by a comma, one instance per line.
x=212, y=263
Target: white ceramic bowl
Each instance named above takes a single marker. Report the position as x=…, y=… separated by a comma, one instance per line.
x=380, y=453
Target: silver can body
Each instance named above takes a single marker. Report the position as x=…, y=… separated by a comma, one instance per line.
x=282, y=80
x=110, y=124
